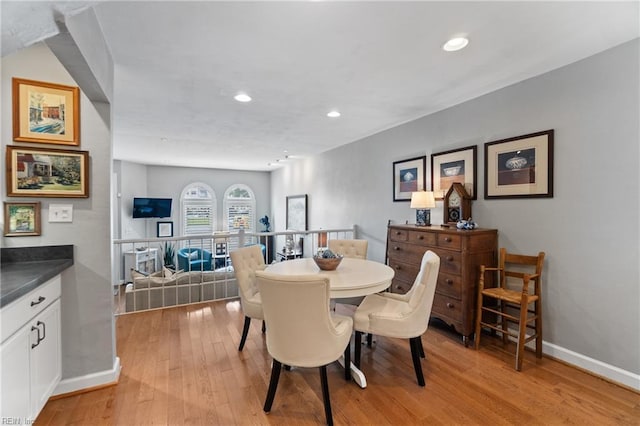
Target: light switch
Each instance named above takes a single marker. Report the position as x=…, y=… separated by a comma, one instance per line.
x=60, y=212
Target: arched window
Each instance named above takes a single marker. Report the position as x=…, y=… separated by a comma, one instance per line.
x=239, y=206
x=198, y=212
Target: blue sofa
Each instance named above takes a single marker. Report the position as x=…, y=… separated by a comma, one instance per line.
x=194, y=259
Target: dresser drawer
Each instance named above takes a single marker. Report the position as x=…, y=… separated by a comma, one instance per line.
x=447, y=306
x=449, y=241
x=400, y=286
x=450, y=261
x=424, y=238
x=398, y=235
x=410, y=253
x=404, y=271
x=449, y=285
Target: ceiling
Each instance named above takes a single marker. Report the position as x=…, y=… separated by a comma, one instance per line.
x=178, y=66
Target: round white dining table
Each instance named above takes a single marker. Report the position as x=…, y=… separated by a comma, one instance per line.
x=352, y=278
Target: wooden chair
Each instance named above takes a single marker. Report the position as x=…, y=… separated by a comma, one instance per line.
x=508, y=303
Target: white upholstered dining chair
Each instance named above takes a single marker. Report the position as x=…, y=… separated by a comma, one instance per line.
x=404, y=316
x=356, y=249
x=301, y=331
x=246, y=261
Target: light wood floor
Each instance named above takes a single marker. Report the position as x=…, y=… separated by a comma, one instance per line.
x=182, y=366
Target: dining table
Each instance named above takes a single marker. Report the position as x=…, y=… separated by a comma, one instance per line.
x=352, y=278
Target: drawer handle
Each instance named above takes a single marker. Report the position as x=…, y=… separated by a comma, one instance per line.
x=34, y=328
x=398, y=233
x=39, y=301
x=449, y=305
x=449, y=258
x=396, y=248
x=449, y=281
x=421, y=237
x=398, y=267
x=447, y=239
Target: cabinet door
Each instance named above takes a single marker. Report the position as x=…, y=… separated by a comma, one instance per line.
x=45, y=356
x=14, y=383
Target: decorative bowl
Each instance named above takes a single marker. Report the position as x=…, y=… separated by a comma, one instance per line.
x=328, y=263
x=452, y=171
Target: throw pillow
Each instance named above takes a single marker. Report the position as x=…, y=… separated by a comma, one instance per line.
x=193, y=255
x=137, y=274
x=167, y=273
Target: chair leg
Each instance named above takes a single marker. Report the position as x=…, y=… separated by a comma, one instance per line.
x=538, y=313
x=264, y=327
x=522, y=332
x=415, y=354
x=369, y=339
x=357, y=343
x=245, y=331
x=325, y=395
x=422, y=355
x=476, y=337
x=347, y=362
x=273, y=384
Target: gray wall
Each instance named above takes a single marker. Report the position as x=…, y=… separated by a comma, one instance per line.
x=138, y=180
x=589, y=229
x=87, y=298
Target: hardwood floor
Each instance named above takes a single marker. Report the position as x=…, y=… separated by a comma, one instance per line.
x=181, y=366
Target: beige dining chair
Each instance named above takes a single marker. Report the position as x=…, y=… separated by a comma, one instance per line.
x=356, y=249
x=301, y=331
x=404, y=316
x=246, y=261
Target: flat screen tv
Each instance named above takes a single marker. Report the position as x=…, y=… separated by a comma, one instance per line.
x=151, y=207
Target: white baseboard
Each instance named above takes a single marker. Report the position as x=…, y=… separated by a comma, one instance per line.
x=90, y=380
x=599, y=368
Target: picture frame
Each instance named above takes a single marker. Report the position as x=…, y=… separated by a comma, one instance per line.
x=21, y=219
x=456, y=165
x=44, y=172
x=46, y=113
x=408, y=177
x=519, y=167
x=164, y=229
x=297, y=212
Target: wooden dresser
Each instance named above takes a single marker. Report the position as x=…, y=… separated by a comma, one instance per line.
x=461, y=254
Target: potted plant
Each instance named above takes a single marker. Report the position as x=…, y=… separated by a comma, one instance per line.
x=169, y=255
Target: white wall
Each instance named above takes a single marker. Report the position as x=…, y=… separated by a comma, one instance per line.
x=589, y=229
x=87, y=322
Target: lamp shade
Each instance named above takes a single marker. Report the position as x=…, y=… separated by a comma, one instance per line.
x=422, y=200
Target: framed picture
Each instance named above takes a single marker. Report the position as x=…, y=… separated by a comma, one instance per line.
x=519, y=167
x=164, y=229
x=21, y=219
x=46, y=112
x=456, y=165
x=297, y=212
x=408, y=176
x=43, y=172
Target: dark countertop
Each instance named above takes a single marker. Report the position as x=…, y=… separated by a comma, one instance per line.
x=24, y=269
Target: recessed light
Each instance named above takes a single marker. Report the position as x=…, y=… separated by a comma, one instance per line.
x=333, y=114
x=456, y=43
x=242, y=97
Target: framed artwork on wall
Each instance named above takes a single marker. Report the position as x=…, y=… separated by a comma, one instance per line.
x=408, y=177
x=456, y=165
x=519, y=167
x=45, y=112
x=164, y=229
x=21, y=219
x=297, y=212
x=43, y=172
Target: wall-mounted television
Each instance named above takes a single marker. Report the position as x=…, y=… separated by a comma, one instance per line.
x=151, y=207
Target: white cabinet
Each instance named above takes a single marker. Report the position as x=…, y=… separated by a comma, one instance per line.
x=30, y=353
x=141, y=260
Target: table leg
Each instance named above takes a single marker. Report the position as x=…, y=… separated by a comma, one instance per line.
x=356, y=374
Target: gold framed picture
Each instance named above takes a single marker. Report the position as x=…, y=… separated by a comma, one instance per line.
x=44, y=172
x=21, y=219
x=45, y=112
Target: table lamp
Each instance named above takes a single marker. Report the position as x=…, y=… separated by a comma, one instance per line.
x=423, y=201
